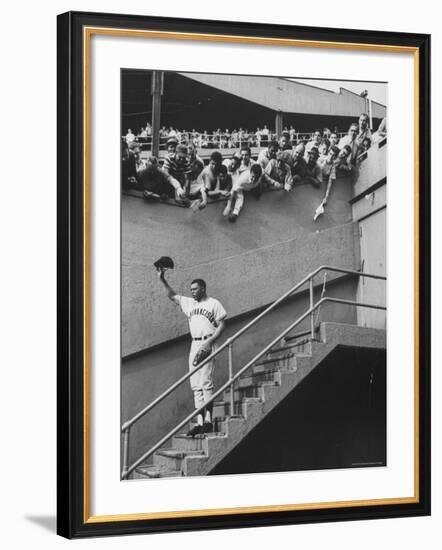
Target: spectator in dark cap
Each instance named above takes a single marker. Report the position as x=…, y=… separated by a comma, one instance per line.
x=171, y=145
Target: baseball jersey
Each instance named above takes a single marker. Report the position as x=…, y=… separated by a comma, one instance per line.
x=203, y=316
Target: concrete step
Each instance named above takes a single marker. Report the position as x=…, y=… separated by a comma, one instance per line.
x=172, y=459
x=154, y=472
x=302, y=361
x=219, y=427
x=301, y=346
x=263, y=375
x=222, y=408
x=249, y=390
x=280, y=360
x=183, y=442
x=260, y=369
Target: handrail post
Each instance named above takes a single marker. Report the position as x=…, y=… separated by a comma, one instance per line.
x=125, y=452
x=232, y=391
x=312, y=317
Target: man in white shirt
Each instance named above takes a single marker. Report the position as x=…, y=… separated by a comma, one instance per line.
x=130, y=137
x=266, y=155
x=315, y=142
x=364, y=129
x=249, y=180
x=207, y=180
x=246, y=159
x=351, y=140
x=206, y=317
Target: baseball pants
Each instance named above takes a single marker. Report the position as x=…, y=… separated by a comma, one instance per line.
x=202, y=381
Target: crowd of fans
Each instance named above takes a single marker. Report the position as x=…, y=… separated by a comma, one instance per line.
x=215, y=139
x=281, y=165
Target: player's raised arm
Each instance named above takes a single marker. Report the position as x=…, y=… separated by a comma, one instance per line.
x=171, y=294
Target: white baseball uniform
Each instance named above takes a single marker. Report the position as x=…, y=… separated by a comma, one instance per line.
x=204, y=317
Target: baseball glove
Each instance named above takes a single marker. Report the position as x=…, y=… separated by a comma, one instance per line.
x=164, y=263
x=200, y=355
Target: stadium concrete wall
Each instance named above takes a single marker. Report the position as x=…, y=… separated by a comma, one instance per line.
x=246, y=264
x=369, y=205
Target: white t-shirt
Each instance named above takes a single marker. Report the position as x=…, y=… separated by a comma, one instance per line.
x=243, y=183
x=203, y=316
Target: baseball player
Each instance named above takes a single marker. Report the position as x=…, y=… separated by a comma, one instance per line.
x=206, y=323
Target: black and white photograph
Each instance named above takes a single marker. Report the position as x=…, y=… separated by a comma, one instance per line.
x=253, y=276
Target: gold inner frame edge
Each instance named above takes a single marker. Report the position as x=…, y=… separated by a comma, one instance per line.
x=87, y=33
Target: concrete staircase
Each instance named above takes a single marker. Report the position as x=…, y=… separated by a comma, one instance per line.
x=260, y=389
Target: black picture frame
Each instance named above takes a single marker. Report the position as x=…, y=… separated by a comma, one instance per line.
x=74, y=520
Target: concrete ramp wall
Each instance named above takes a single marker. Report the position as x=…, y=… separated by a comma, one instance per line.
x=246, y=264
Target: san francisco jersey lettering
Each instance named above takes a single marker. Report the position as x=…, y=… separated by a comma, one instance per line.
x=203, y=316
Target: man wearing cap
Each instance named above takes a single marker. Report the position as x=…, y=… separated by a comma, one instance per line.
x=178, y=168
x=171, y=145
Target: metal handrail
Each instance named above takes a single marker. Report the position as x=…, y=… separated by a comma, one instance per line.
x=228, y=343
x=235, y=377
x=230, y=340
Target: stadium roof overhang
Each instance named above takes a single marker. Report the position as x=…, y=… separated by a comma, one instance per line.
x=288, y=96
